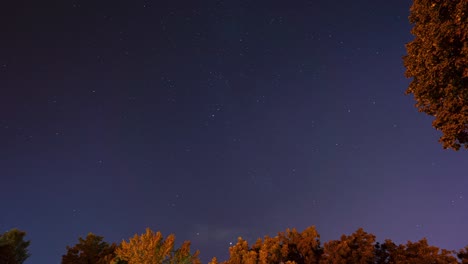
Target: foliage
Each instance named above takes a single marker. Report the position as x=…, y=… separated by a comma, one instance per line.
x=214, y=260
x=288, y=247
x=152, y=248
x=357, y=248
x=13, y=247
x=437, y=61
x=92, y=250
x=414, y=252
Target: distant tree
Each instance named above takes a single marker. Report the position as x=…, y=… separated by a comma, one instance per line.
x=302, y=247
x=152, y=248
x=13, y=247
x=92, y=250
x=358, y=248
x=463, y=255
x=214, y=260
x=289, y=247
x=420, y=252
x=437, y=62
x=239, y=253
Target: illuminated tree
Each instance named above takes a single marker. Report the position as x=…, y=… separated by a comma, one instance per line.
x=13, y=247
x=270, y=250
x=358, y=248
x=152, y=248
x=437, y=62
x=288, y=247
x=239, y=253
x=463, y=255
x=420, y=253
x=92, y=250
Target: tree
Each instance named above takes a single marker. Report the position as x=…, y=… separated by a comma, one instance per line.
x=437, y=62
x=13, y=247
x=214, y=260
x=463, y=255
x=419, y=252
x=302, y=247
x=384, y=253
x=357, y=248
x=152, y=248
x=92, y=250
x=288, y=247
x=7, y=255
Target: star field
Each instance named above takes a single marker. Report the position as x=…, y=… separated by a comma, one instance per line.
x=217, y=119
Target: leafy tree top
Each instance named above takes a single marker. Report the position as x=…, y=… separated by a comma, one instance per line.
x=152, y=248
x=13, y=247
x=437, y=62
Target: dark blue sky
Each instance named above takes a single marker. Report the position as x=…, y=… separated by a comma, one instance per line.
x=217, y=119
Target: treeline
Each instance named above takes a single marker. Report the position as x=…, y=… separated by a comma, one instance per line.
x=289, y=247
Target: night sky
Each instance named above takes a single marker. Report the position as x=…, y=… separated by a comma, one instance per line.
x=217, y=119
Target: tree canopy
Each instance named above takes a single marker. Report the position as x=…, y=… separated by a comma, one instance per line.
x=288, y=247
x=13, y=247
x=292, y=247
x=357, y=248
x=92, y=249
x=437, y=62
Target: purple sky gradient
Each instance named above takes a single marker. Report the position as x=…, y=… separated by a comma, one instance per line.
x=217, y=119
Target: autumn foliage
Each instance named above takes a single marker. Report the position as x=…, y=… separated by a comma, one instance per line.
x=150, y=247
x=437, y=62
x=147, y=248
x=13, y=247
x=288, y=247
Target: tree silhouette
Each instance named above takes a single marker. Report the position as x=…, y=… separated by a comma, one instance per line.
x=92, y=250
x=288, y=247
x=437, y=62
x=13, y=247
